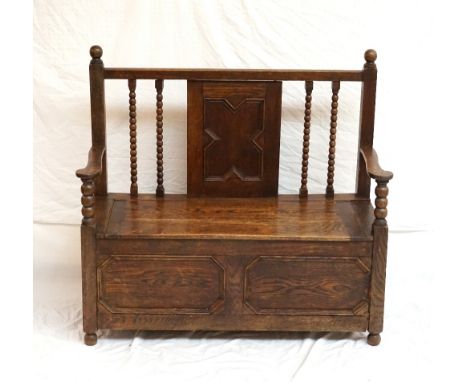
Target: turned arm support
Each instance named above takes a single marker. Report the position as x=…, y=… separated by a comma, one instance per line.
x=88, y=189
x=382, y=178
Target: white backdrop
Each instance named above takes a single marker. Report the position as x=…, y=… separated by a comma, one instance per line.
x=419, y=131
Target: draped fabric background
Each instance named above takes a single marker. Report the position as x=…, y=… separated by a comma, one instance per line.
x=418, y=137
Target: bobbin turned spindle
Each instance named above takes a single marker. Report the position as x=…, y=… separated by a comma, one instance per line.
x=133, y=137
x=332, y=146
x=87, y=200
x=303, y=192
x=159, y=85
x=380, y=211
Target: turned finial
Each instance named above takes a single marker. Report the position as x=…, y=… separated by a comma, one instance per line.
x=95, y=52
x=370, y=56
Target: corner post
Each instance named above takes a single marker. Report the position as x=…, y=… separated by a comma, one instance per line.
x=98, y=112
x=92, y=186
x=367, y=117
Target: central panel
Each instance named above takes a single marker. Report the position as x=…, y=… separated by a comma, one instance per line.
x=233, y=138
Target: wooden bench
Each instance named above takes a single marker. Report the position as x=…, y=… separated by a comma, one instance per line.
x=232, y=254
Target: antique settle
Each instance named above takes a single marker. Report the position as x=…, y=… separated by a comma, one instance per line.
x=232, y=254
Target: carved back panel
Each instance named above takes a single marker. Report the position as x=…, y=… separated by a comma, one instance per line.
x=233, y=138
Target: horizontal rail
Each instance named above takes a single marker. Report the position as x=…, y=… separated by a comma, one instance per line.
x=234, y=74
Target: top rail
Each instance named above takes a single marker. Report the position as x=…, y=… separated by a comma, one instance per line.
x=234, y=74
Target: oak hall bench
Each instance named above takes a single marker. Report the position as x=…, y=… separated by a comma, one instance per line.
x=232, y=254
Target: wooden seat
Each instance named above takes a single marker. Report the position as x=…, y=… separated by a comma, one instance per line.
x=285, y=217
x=232, y=254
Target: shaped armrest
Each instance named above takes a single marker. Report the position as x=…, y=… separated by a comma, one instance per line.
x=94, y=166
x=372, y=165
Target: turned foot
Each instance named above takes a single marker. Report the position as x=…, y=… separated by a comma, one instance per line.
x=90, y=339
x=373, y=339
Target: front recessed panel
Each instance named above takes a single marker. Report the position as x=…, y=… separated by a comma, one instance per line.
x=299, y=285
x=160, y=284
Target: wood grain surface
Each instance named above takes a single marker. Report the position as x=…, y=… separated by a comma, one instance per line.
x=277, y=218
x=233, y=138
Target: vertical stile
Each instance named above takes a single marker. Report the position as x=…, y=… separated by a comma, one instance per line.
x=332, y=147
x=159, y=84
x=366, y=122
x=303, y=192
x=98, y=113
x=133, y=137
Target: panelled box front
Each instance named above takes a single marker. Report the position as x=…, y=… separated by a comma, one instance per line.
x=237, y=285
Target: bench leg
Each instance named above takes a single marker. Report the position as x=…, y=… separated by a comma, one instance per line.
x=373, y=339
x=90, y=339
x=88, y=253
x=377, y=284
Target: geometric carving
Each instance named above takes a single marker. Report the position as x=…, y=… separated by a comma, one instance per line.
x=302, y=285
x=364, y=263
x=361, y=309
x=233, y=136
x=150, y=284
x=234, y=147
